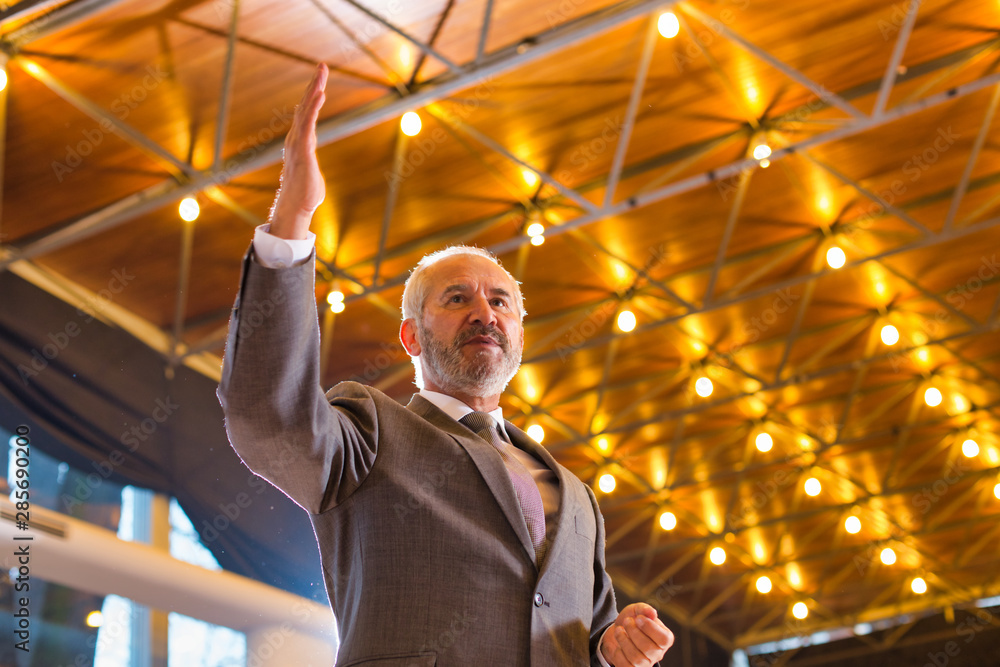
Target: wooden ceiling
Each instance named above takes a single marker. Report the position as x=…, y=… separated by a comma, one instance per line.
x=636, y=152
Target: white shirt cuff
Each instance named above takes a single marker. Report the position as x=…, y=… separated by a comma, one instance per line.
x=600, y=654
x=274, y=252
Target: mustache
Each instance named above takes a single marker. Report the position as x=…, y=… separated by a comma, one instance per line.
x=482, y=330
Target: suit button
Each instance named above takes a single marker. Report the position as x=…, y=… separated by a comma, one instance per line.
x=539, y=599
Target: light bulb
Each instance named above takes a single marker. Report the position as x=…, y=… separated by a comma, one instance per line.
x=890, y=335
x=189, y=209
x=764, y=442
x=970, y=448
x=764, y=584
x=813, y=487
x=530, y=177
x=761, y=152
x=3, y=78
x=918, y=585
x=717, y=555
x=835, y=257
x=95, y=619
x=336, y=296
x=668, y=25
x=703, y=387
x=538, y=239
x=668, y=521
x=410, y=124
x=932, y=397
x=337, y=306
x=888, y=556
x=800, y=610
x=607, y=483
x=626, y=320
x=535, y=228
x=536, y=432
x=852, y=524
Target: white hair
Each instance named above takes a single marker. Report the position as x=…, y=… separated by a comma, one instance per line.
x=416, y=289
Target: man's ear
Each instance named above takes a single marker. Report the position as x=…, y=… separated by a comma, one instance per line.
x=408, y=337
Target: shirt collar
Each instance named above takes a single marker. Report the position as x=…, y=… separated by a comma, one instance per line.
x=456, y=409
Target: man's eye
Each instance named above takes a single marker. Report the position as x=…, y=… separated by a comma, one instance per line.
x=457, y=298
x=500, y=302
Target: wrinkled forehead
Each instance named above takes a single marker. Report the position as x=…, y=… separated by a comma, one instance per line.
x=471, y=270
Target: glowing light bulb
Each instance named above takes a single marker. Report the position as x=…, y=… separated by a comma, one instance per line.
x=626, y=320
x=607, y=483
x=703, y=387
x=535, y=229
x=813, y=487
x=668, y=521
x=530, y=177
x=189, y=209
x=888, y=556
x=970, y=448
x=95, y=619
x=932, y=397
x=800, y=610
x=761, y=152
x=717, y=555
x=668, y=25
x=852, y=524
x=764, y=584
x=890, y=335
x=835, y=257
x=538, y=239
x=337, y=306
x=3, y=78
x=603, y=444
x=410, y=124
x=536, y=432
x=764, y=164
x=764, y=442
x=996, y=491
x=335, y=296
x=918, y=585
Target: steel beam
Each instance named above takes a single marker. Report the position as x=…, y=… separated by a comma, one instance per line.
x=618, y=162
x=58, y=19
x=793, y=74
x=334, y=129
x=485, y=30
x=889, y=78
x=426, y=48
x=222, y=122
x=963, y=184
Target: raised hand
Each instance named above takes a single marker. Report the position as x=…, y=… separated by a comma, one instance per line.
x=637, y=638
x=302, y=188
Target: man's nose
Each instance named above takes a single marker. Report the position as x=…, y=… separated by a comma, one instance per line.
x=482, y=312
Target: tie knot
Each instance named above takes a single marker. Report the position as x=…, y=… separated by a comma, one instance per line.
x=479, y=422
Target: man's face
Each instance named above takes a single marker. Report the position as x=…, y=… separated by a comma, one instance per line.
x=470, y=332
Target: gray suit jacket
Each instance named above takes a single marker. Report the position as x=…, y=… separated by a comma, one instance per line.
x=425, y=552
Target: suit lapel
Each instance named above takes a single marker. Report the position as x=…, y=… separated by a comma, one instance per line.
x=486, y=460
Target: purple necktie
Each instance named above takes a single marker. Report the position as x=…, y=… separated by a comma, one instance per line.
x=528, y=496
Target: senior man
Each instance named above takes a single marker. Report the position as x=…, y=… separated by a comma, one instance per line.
x=447, y=536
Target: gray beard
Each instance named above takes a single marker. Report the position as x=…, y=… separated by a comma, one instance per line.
x=479, y=376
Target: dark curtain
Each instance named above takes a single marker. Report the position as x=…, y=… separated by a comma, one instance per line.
x=100, y=400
